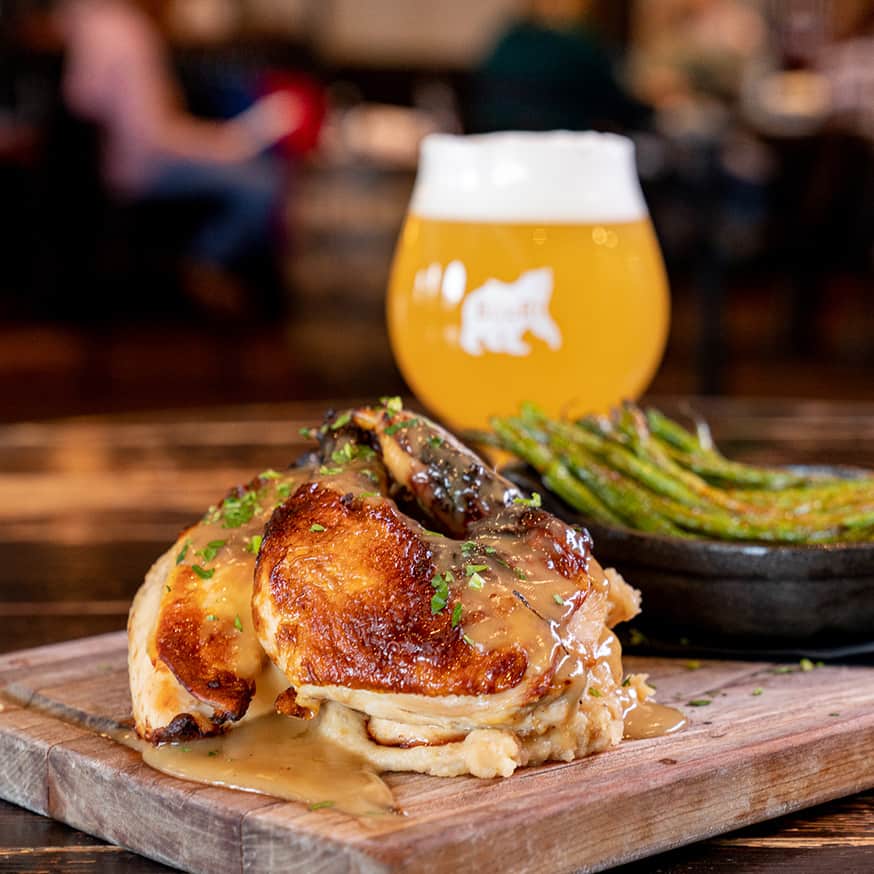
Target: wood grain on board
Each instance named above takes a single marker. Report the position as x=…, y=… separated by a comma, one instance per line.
x=806, y=737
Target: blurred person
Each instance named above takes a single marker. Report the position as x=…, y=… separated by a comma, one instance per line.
x=550, y=70
x=118, y=76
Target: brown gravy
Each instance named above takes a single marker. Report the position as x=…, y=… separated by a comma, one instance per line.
x=647, y=719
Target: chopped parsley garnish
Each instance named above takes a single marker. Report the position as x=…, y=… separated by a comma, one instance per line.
x=436, y=441
x=270, y=473
x=211, y=617
x=183, y=552
x=341, y=420
x=307, y=432
x=520, y=573
x=371, y=476
x=253, y=543
x=807, y=665
x=238, y=510
x=283, y=490
x=320, y=805
x=471, y=569
x=397, y=426
x=783, y=669
x=467, y=640
x=393, y=404
x=757, y=691
x=595, y=692
x=558, y=599
x=371, y=495
x=440, y=583
x=626, y=681
x=209, y=552
x=700, y=702
x=350, y=451
x=468, y=547
x=324, y=470
x=237, y=623
x=533, y=501
x=212, y=753
x=489, y=550
x=316, y=527
x=456, y=614
x=202, y=572
x=693, y=665
x=168, y=588
x=475, y=581
x=431, y=533
x=185, y=749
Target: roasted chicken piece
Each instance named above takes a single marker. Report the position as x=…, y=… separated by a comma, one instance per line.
x=420, y=610
x=491, y=650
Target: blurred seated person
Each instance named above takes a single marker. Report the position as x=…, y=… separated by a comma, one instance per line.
x=549, y=70
x=117, y=75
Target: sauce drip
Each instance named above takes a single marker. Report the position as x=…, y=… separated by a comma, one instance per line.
x=646, y=719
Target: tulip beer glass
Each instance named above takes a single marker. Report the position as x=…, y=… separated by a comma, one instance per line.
x=527, y=269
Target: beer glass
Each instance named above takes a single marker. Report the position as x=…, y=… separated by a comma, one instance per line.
x=527, y=269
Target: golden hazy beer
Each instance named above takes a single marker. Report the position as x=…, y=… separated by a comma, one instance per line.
x=487, y=307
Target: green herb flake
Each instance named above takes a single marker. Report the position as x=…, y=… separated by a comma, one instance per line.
x=392, y=404
x=626, y=681
x=324, y=470
x=202, y=572
x=456, y=614
x=372, y=495
x=209, y=552
x=315, y=527
x=475, y=581
x=757, y=691
x=699, y=702
x=520, y=573
x=343, y=455
x=783, y=669
x=168, y=588
x=321, y=805
x=211, y=617
x=806, y=665
x=341, y=420
x=431, y=533
x=693, y=665
x=371, y=476
x=471, y=569
x=283, y=490
x=185, y=749
x=441, y=594
x=183, y=552
x=270, y=473
x=253, y=543
x=558, y=599
x=436, y=442
x=238, y=623
x=834, y=714
x=595, y=692
x=237, y=510
x=306, y=433
x=468, y=640
x=533, y=501
x=468, y=547
x=397, y=426
x=212, y=753
x=490, y=550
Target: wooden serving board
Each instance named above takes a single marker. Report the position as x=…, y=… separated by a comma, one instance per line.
x=747, y=756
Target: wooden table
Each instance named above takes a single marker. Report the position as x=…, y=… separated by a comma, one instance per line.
x=86, y=505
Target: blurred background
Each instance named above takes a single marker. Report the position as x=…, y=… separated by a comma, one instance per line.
x=201, y=197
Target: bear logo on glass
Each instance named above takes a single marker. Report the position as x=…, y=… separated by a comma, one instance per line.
x=496, y=316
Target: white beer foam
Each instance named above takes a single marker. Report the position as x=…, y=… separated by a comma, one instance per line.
x=557, y=177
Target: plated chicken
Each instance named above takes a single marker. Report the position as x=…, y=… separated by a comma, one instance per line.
x=410, y=603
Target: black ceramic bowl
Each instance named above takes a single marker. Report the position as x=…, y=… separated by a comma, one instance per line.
x=752, y=596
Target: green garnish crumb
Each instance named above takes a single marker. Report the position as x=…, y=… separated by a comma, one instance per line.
x=341, y=420
x=475, y=581
x=441, y=593
x=471, y=569
x=253, y=543
x=467, y=640
x=700, y=702
x=320, y=805
x=270, y=473
x=212, y=753
x=183, y=552
x=315, y=527
x=533, y=501
x=595, y=692
x=392, y=404
x=211, y=617
x=757, y=691
x=693, y=665
x=237, y=623
x=456, y=614
x=806, y=665
x=202, y=572
x=558, y=599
